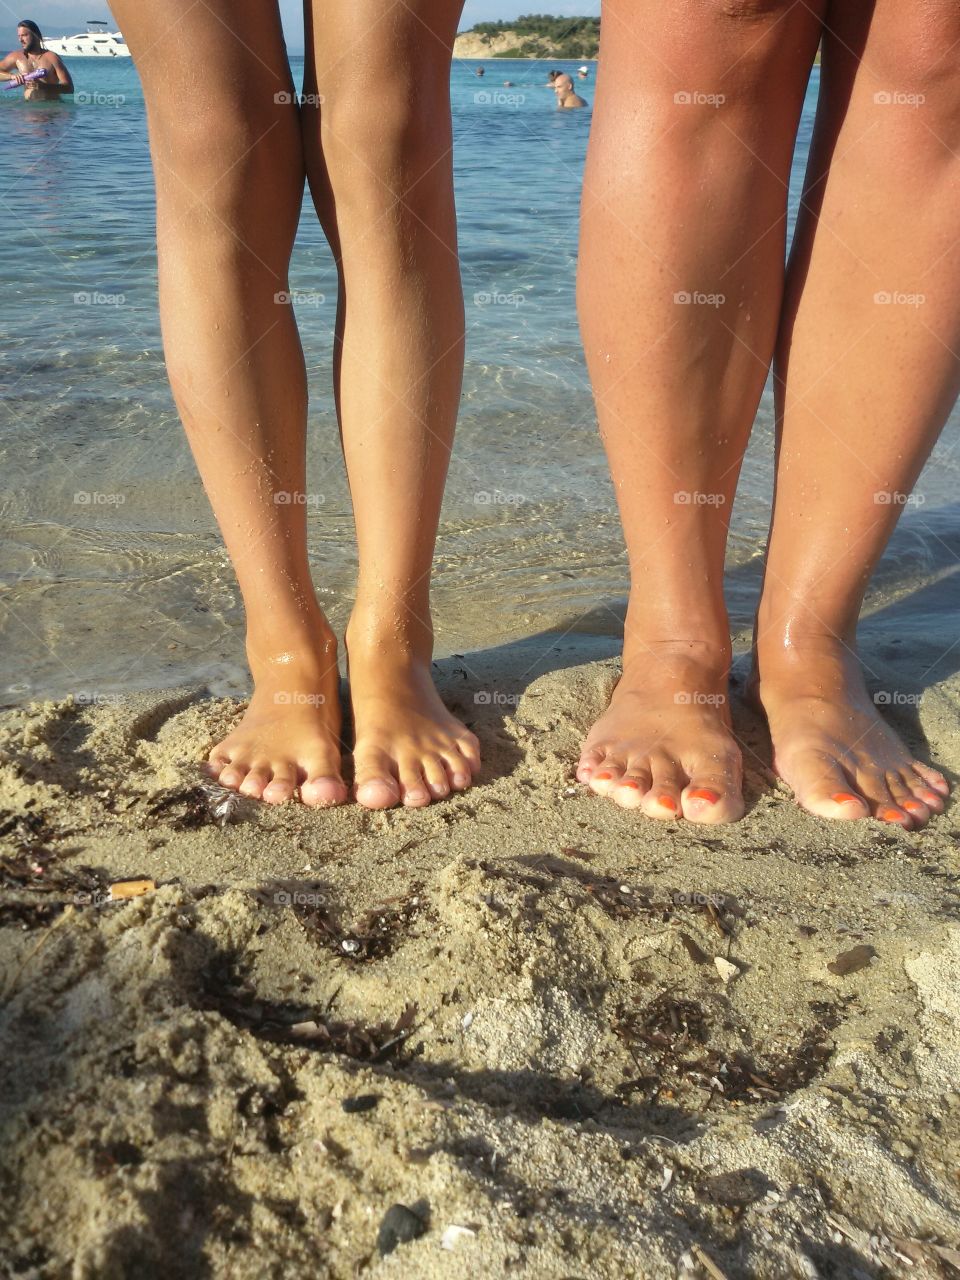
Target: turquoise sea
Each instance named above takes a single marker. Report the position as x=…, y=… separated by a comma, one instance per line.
x=129, y=587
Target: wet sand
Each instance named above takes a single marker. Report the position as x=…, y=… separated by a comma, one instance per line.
x=505, y=1013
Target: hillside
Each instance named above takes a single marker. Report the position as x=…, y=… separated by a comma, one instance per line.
x=531, y=36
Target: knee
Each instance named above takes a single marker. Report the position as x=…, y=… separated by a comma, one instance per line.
x=912, y=55
x=386, y=145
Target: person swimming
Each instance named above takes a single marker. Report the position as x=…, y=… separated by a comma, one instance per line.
x=568, y=99
x=32, y=57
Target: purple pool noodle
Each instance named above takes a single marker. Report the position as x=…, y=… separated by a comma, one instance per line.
x=31, y=75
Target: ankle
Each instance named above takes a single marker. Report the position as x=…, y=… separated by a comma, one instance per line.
x=399, y=634
x=704, y=662
x=293, y=654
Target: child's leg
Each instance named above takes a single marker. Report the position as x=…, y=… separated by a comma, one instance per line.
x=681, y=276
x=228, y=163
x=380, y=169
x=868, y=355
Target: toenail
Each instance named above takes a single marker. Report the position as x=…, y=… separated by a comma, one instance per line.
x=913, y=804
x=704, y=793
x=631, y=783
x=461, y=780
x=603, y=777
x=667, y=802
x=845, y=797
x=890, y=815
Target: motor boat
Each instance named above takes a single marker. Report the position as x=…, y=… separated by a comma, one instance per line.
x=95, y=42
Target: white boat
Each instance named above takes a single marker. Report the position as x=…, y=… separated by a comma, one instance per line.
x=95, y=42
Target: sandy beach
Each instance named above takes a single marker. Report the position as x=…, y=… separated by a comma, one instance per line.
x=567, y=1041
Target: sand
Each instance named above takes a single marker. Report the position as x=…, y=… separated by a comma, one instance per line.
x=520, y=985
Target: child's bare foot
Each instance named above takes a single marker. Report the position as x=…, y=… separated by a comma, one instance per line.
x=408, y=748
x=289, y=736
x=829, y=743
x=664, y=744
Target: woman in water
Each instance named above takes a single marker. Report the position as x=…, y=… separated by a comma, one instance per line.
x=230, y=148
x=684, y=302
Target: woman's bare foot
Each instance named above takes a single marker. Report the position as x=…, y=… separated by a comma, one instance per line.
x=830, y=745
x=408, y=748
x=289, y=736
x=664, y=744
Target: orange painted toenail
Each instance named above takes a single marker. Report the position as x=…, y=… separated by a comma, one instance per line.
x=890, y=815
x=629, y=782
x=667, y=802
x=604, y=777
x=913, y=804
x=845, y=797
x=703, y=793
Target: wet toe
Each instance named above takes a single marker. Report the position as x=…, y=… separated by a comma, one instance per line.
x=604, y=779
x=630, y=789
x=711, y=799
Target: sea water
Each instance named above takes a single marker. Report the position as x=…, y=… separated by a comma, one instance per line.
x=112, y=572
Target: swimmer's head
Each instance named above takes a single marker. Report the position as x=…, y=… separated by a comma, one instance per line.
x=29, y=34
x=552, y=75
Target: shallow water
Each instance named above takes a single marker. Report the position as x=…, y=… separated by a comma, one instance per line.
x=112, y=575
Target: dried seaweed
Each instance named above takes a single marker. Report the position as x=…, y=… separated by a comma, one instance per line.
x=373, y=936
x=200, y=804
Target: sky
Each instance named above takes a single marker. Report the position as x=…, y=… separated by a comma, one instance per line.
x=59, y=17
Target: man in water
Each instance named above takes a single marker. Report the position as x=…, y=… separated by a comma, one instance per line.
x=31, y=56
x=567, y=97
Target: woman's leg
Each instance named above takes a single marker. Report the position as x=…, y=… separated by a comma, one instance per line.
x=379, y=163
x=869, y=370
x=228, y=163
x=681, y=275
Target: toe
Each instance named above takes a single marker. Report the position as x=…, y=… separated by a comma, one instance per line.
x=376, y=786
x=322, y=791
x=414, y=791
x=282, y=785
x=822, y=788
x=711, y=798
x=589, y=761
x=435, y=773
x=663, y=799
x=932, y=777
x=904, y=799
x=233, y=774
x=604, y=779
x=630, y=789
x=873, y=784
x=459, y=770
x=469, y=747
x=257, y=778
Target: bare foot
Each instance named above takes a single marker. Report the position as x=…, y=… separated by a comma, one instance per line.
x=664, y=744
x=289, y=736
x=830, y=745
x=409, y=749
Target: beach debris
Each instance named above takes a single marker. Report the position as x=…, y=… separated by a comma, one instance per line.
x=852, y=961
x=199, y=804
x=697, y=1262
x=361, y=1102
x=400, y=1225
x=453, y=1234
x=466, y=1021
x=667, y=1177
x=122, y=889
x=726, y=969
x=373, y=936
